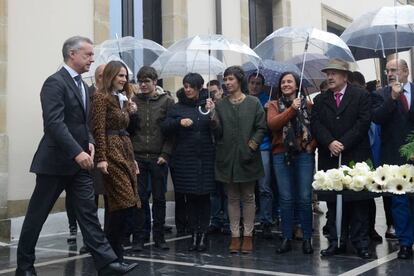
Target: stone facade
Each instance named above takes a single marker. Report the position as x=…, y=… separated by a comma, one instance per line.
x=4, y=145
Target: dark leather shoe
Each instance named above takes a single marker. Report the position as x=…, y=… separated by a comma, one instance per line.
x=364, y=253
x=284, y=247
x=307, y=247
x=161, y=244
x=390, y=233
x=406, y=252
x=375, y=237
x=29, y=272
x=333, y=250
x=83, y=250
x=202, y=242
x=117, y=268
x=193, y=242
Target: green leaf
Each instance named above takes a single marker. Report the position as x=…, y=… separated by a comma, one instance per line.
x=352, y=164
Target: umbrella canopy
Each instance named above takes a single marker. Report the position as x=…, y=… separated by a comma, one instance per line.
x=228, y=51
x=171, y=64
x=271, y=70
x=381, y=32
x=132, y=51
x=312, y=71
x=287, y=42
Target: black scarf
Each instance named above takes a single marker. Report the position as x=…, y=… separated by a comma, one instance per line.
x=296, y=133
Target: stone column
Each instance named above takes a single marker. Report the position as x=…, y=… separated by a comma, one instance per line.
x=4, y=146
x=174, y=28
x=244, y=18
x=101, y=21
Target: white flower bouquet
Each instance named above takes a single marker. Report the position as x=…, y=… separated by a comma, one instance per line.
x=385, y=179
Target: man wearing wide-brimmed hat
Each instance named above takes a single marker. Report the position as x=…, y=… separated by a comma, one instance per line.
x=340, y=121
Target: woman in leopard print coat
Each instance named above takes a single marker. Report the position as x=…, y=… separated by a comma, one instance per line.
x=111, y=107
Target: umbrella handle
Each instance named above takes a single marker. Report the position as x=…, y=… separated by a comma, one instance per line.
x=202, y=112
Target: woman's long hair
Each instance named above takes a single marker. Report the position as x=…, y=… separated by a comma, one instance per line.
x=110, y=72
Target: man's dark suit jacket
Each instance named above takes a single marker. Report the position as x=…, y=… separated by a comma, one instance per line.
x=349, y=124
x=395, y=126
x=66, y=132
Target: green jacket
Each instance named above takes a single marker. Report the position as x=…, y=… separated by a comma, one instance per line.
x=235, y=126
x=149, y=142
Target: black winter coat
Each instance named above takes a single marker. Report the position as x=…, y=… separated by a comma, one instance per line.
x=395, y=126
x=192, y=159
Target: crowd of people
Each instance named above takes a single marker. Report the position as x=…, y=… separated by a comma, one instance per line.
x=237, y=155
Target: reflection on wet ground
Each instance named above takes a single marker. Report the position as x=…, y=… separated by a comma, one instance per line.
x=56, y=257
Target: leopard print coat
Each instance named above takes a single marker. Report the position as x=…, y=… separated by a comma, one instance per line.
x=121, y=182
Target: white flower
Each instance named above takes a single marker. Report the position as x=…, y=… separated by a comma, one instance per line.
x=335, y=176
x=397, y=186
x=361, y=168
x=381, y=175
x=318, y=180
x=372, y=186
x=406, y=172
x=358, y=183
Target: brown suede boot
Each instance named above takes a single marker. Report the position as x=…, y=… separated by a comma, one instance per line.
x=247, y=246
x=234, y=245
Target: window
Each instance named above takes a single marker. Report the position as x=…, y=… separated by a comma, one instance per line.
x=260, y=20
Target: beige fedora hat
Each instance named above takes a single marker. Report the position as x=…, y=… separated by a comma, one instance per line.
x=337, y=64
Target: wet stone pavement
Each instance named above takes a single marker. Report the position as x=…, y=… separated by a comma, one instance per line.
x=56, y=257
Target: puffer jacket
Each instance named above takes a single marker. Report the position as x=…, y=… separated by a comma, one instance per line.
x=192, y=160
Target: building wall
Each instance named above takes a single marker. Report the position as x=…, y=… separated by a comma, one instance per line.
x=36, y=32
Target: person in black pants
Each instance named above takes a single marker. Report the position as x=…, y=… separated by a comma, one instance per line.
x=192, y=161
x=152, y=151
x=63, y=160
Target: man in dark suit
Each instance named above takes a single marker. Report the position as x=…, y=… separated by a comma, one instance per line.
x=63, y=160
x=396, y=117
x=340, y=121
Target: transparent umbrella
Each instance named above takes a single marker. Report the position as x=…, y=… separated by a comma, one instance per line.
x=286, y=42
x=227, y=50
x=381, y=32
x=312, y=71
x=171, y=64
x=132, y=51
x=271, y=71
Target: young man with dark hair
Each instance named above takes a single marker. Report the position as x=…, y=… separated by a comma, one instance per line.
x=152, y=150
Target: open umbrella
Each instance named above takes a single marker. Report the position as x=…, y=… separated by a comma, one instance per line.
x=381, y=32
x=132, y=51
x=271, y=70
x=287, y=42
x=229, y=51
x=312, y=71
x=171, y=64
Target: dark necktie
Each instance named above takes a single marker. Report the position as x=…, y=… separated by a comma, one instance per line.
x=78, y=80
x=404, y=101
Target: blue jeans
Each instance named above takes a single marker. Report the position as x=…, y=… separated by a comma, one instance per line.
x=218, y=199
x=403, y=215
x=295, y=183
x=265, y=191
